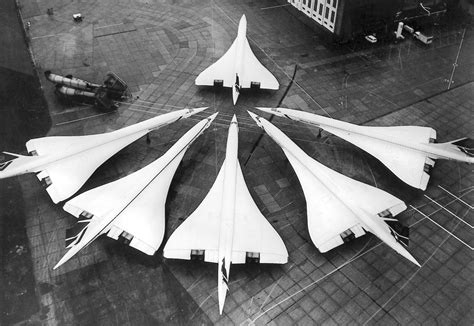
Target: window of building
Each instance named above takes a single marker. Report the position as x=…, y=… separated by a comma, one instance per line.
x=324, y=12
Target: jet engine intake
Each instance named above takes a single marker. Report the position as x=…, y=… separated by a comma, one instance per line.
x=197, y=254
x=347, y=235
x=46, y=182
x=252, y=257
x=218, y=83
x=254, y=85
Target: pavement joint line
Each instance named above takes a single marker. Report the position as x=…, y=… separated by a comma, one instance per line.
x=215, y=292
x=429, y=218
x=80, y=119
x=447, y=210
x=412, y=276
x=277, y=65
x=272, y=7
x=108, y=26
x=271, y=291
x=355, y=257
x=416, y=102
x=458, y=198
x=195, y=283
x=435, y=211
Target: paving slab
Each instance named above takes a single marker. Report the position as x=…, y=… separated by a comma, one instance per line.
x=159, y=48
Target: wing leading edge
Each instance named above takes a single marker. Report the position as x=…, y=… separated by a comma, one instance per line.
x=239, y=60
x=340, y=208
x=198, y=236
x=131, y=208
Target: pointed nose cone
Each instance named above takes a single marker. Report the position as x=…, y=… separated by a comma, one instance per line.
x=256, y=118
x=242, y=32
x=234, y=119
x=221, y=292
x=212, y=117
x=243, y=21
x=194, y=111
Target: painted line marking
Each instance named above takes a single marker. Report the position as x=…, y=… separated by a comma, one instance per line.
x=382, y=307
x=458, y=198
x=80, y=119
x=455, y=64
x=442, y=227
x=447, y=210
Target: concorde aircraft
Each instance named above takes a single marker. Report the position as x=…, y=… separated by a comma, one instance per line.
x=132, y=208
x=340, y=208
x=238, y=68
x=64, y=163
x=227, y=227
x=408, y=151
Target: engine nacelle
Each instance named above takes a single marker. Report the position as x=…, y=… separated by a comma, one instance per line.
x=254, y=85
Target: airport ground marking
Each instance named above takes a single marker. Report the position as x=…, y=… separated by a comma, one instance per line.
x=359, y=254
x=469, y=189
x=382, y=307
x=458, y=198
x=447, y=210
x=442, y=227
x=455, y=64
x=80, y=119
x=355, y=257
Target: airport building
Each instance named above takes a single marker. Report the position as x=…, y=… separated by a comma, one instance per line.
x=348, y=19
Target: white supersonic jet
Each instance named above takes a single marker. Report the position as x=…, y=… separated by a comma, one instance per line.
x=227, y=227
x=238, y=68
x=408, y=151
x=64, y=163
x=340, y=208
x=131, y=209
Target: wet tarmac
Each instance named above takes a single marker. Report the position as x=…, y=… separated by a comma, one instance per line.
x=159, y=48
x=23, y=115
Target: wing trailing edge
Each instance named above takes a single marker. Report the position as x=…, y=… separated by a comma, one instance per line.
x=64, y=163
x=238, y=68
x=131, y=209
x=340, y=208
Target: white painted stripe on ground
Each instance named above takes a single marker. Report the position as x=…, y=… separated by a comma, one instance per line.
x=442, y=227
x=80, y=119
x=409, y=279
x=458, y=198
x=447, y=210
